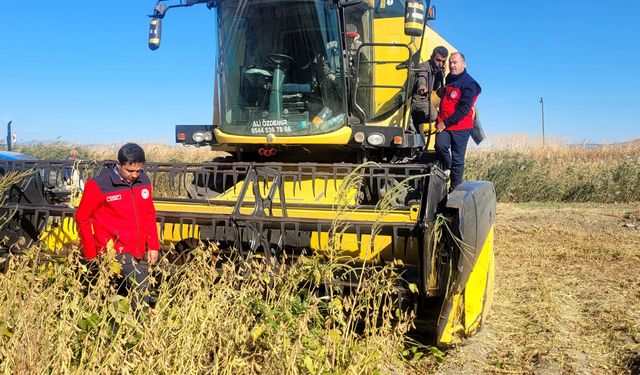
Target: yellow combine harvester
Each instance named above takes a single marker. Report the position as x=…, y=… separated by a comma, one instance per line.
x=312, y=105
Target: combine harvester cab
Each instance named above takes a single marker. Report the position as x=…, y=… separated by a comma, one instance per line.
x=323, y=160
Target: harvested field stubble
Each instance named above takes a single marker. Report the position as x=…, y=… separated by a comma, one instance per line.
x=567, y=294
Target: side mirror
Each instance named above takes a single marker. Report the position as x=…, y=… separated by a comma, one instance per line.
x=414, y=17
x=155, y=26
x=155, y=33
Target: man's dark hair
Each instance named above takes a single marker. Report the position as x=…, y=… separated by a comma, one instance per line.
x=130, y=153
x=440, y=50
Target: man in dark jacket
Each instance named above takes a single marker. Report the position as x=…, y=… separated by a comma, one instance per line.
x=428, y=80
x=117, y=211
x=455, y=119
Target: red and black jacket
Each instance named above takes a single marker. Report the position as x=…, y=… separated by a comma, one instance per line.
x=456, y=106
x=118, y=211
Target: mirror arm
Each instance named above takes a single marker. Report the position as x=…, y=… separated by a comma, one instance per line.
x=161, y=10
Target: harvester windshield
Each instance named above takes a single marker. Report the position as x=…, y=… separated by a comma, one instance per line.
x=280, y=67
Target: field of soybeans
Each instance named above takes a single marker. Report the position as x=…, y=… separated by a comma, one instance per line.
x=567, y=297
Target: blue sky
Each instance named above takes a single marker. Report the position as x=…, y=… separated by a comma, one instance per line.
x=80, y=71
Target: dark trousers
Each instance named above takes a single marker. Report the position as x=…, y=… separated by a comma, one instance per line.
x=134, y=280
x=451, y=147
x=422, y=112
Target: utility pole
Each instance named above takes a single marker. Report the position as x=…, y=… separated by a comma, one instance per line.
x=9, y=136
x=542, y=107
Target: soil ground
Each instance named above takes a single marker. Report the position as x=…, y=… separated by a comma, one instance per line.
x=567, y=296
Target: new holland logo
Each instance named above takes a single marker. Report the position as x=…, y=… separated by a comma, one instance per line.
x=145, y=193
x=112, y=198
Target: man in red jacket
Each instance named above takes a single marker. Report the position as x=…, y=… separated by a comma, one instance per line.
x=455, y=119
x=117, y=211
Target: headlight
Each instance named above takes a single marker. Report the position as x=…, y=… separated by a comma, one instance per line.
x=198, y=137
x=375, y=139
x=359, y=137
x=208, y=136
